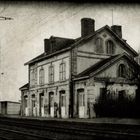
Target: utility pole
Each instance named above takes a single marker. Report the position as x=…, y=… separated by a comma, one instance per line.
x=1, y=72
x=112, y=16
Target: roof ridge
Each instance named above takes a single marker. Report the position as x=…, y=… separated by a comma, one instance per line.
x=61, y=37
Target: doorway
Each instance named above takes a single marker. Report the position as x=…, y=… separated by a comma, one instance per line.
x=26, y=112
x=81, y=103
x=51, y=104
x=62, y=104
x=41, y=104
x=33, y=105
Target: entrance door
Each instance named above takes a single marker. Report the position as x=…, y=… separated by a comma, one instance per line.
x=41, y=105
x=26, y=106
x=51, y=104
x=63, y=104
x=33, y=106
x=81, y=103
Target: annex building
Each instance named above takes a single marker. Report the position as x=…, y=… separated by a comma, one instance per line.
x=69, y=76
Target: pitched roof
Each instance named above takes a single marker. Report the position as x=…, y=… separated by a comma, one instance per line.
x=125, y=45
x=24, y=87
x=96, y=66
x=101, y=65
x=64, y=44
x=59, y=45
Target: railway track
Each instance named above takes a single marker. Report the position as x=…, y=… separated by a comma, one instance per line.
x=8, y=134
x=48, y=129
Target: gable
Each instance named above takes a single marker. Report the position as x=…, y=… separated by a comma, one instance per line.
x=90, y=45
x=112, y=70
x=105, y=64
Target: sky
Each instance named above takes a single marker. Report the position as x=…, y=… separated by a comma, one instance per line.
x=22, y=38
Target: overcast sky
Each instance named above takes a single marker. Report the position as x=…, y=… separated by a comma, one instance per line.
x=22, y=39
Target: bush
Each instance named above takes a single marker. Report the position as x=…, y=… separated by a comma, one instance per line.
x=109, y=107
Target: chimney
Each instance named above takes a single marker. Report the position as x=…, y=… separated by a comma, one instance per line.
x=87, y=26
x=47, y=46
x=117, y=29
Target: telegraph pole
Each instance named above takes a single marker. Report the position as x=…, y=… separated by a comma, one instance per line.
x=1, y=72
x=112, y=16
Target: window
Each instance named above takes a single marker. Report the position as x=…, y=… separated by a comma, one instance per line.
x=62, y=71
x=32, y=77
x=41, y=101
x=25, y=101
x=81, y=97
x=33, y=100
x=35, y=76
x=110, y=47
x=51, y=74
x=62, y=98
x=99, y=45
x=33, y=103
x=41, y=76
x=121, y=70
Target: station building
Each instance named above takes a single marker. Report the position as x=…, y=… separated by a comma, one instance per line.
x=67, y=79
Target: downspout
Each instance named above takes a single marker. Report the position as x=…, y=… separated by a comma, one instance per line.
x=71, y=107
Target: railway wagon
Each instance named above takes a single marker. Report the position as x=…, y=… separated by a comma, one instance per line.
x=9, y=108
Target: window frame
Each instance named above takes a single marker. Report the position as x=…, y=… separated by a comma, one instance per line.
x=110, y=47
x=122, y=70
x=51, y=73
x=99, y=46
x=41, y=76
x=62, y=71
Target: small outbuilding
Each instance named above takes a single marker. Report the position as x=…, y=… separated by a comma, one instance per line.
x=9, y=108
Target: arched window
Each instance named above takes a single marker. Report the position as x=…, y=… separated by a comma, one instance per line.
x=41, y=76
x=122, y=70
x=110, y=47
x=51, y=74
x=32, y=77
x=99, y=45
x=62, y=71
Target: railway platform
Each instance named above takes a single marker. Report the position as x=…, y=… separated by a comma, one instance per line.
x=128, y=121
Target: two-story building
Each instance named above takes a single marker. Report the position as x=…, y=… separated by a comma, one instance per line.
x=68, y=77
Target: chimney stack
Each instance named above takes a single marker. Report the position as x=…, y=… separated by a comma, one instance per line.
x=87, y=26
x=46, y=45
x=49, y=45
x=117, y=29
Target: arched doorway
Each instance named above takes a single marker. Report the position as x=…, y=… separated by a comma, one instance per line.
x=62, y=99
x=26, y=112
x=51, y=104
x=41, y=104
x=33, y=105
x=81, y=103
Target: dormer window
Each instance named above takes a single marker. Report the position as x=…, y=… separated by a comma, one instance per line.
x=110, y=47
x=99, y=45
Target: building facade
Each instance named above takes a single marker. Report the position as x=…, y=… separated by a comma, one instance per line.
x=69, y=76
x=10, y=108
